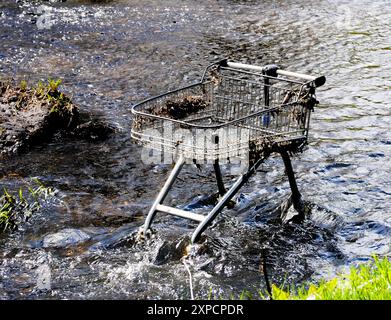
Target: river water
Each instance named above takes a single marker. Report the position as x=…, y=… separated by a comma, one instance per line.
x=111, y=55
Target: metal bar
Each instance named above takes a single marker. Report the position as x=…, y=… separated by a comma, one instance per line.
x=244, y=66
x=134, y=107
x=296, y=75
x=163, y=192
x=216, y=166
x=261, y=69
x=285, y=80
x=266, y=92
x=296, y=196
x=307, y=125
x=319, y=80
x=266, y=116
x=219, y=178
x=187, y=124
x=180, y=213
x=216, y=126
x=224, y=200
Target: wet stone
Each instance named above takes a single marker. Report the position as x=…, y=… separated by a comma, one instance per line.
x=120, y=237
x=171, y=251
x=65, y=238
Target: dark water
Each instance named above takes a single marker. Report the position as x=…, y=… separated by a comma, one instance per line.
x=111, y=55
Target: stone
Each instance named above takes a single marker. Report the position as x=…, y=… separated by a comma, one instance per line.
x=65, y=238
x=171, y=251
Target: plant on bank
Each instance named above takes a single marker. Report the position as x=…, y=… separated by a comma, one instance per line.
x=15, y=208
x=368, y=281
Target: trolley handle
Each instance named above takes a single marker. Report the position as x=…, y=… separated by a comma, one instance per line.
x=318, y=81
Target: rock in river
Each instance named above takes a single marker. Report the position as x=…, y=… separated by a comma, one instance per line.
x=64, y=238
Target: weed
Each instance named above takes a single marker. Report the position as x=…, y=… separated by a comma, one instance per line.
x=23, y=85
x=54, y=84
x=370, y=281
x=16, y=208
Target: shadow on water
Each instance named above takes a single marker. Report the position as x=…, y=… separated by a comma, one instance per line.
x=83, y=243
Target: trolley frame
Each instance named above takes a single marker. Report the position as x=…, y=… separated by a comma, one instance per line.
x=271, y=120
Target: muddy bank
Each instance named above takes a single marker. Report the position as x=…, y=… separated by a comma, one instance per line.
x=33, y=115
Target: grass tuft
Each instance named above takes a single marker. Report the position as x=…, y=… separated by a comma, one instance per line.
x=17, y=208
x=369, y=281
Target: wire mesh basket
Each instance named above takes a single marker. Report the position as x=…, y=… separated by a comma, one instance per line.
x=232, y=111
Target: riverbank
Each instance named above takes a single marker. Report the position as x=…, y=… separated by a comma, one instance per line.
x=33, y=115
x=368, y=281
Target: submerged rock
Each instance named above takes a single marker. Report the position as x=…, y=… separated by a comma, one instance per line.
x=64, y=238
x=124, y=235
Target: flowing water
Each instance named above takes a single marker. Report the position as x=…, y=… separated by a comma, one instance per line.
x=111, y=55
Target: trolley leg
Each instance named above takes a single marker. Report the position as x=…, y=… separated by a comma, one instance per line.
x=219, y=178
x=163, y=192
x=224, y=201
x=296, y=196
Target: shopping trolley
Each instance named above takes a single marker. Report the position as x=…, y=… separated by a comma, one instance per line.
x=236, y=111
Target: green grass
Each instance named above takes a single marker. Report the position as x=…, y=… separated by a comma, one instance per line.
x=43, y=91
x=369, y=281
x=16, y=208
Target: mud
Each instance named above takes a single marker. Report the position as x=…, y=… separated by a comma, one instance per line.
x=32, y=116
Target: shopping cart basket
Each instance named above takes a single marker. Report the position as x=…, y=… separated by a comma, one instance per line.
x=236, y=111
